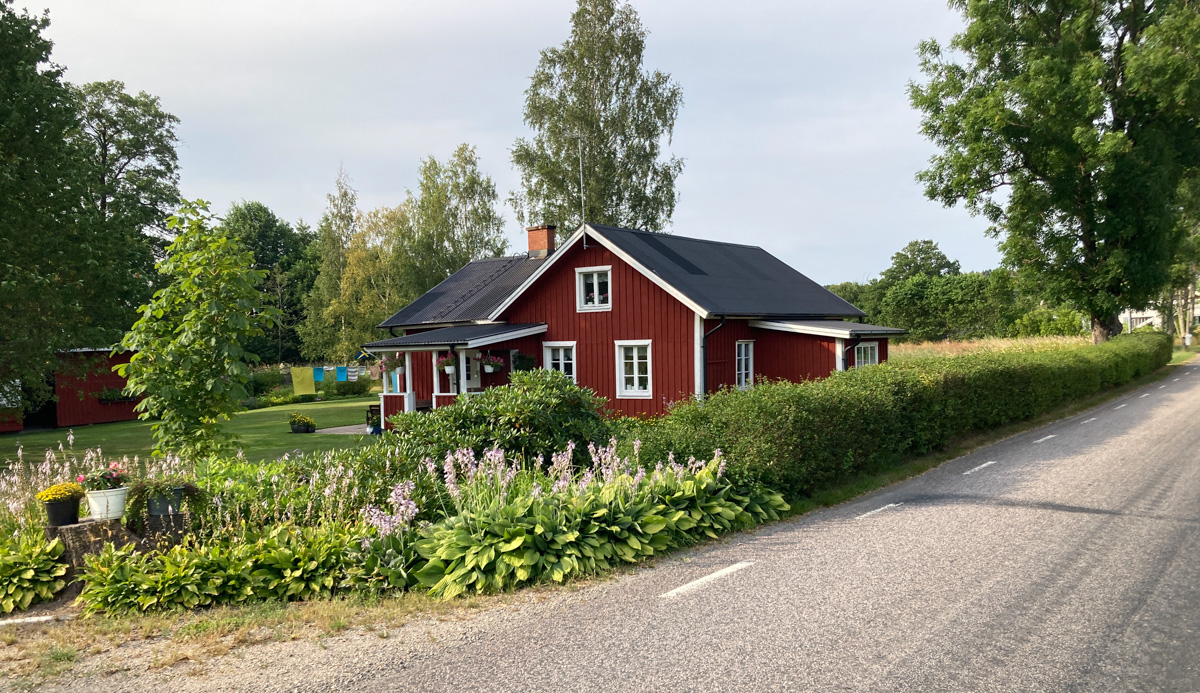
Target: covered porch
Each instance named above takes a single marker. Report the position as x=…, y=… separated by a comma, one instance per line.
x=414, y=381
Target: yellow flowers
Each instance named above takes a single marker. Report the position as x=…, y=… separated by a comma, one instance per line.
x=61, y=492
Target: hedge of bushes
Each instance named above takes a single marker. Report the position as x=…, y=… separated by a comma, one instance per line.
x=799, y=438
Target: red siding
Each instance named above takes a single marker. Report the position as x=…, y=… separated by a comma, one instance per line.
x=777, y=354
x=883, y=350
x=640, y=310
x=11, y=422
x=78, y=388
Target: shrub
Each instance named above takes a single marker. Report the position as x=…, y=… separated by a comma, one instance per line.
x=537, y=413
x=800, y=437
x=262, y=382
x=30, y=572
x=348, y=388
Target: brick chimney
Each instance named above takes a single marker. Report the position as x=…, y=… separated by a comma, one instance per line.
x=541, y=240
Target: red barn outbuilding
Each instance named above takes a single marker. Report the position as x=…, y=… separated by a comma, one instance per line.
x=644, y=319
x=88, y=391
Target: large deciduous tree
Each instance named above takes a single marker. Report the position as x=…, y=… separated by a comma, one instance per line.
x=593, y=87
x=322, y=329
x=1069, y=125
x=279, y=250
x=188, y=357
x=49, y=248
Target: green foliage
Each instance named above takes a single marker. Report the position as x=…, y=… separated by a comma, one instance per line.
x=537, y=413
x=347, y=388
x=319, y=333
x=262, y=382
x=918, y=258
x=189, y=362
x=593, y=86
x=1069, y=126
x=801, y=437
x=30, y=572
x=1047, y=322
x=298, y=419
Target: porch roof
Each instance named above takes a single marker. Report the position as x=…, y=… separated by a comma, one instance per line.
x=828, y=328
x=470, y=336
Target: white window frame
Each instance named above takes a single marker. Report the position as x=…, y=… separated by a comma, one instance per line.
x=546, y=360
x=873, y=347
x=739, y=382
x=622, y=393
x=579, y=274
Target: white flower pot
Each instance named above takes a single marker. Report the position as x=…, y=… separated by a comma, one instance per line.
x=449, y=370
x=108, y=504
x=489, y=369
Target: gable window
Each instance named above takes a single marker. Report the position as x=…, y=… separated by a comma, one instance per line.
x=633, y=369
x=744, y=365
x=866, y=354
x=593, y=288
x=559, y=356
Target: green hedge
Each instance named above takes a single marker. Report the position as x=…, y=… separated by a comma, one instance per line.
x=802, y=437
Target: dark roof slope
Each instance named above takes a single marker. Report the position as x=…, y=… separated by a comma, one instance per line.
x=471, y=293
x=459, y=334
x=726, y=278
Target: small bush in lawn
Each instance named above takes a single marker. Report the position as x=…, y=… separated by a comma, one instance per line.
x=540, y=411
x=264, y=381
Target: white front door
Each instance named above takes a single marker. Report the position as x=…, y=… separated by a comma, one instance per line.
x=473, y=368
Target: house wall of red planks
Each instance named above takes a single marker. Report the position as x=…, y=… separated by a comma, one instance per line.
x=640, y=310
x=785, y=355
x=78, y=386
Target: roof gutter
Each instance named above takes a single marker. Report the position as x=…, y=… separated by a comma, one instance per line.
x=704, y=358
x=853, y=343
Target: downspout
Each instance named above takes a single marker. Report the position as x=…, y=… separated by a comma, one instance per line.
x=704, y=358
x=853, y=343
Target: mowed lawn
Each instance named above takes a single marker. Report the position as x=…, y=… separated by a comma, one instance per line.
x=262, y=433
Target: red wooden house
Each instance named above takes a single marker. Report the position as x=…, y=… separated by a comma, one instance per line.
x=643, y=319
x=86, y=391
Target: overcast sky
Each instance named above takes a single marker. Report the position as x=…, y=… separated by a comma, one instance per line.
x=796, y=129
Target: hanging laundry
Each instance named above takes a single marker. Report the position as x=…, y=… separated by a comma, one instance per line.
x=374, y=372
x=396, y=382
x=341, y=374
x=302, y=381
x=318, y=374
x=352, y=373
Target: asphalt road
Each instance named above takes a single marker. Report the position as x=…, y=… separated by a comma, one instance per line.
x=1066, y=558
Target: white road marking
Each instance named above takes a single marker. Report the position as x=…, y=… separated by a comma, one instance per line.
x=879, y=510
x=706, y=579
x=985, y=464
x=1175, y=380
x=1042, y=440
x=1123, y=405
x=1088, y=421
x=1161, y=386
x=1145, y=395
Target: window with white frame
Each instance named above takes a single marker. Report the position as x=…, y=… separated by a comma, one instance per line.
x=593, y=288
x=559, y=356
x=633, y=370
x=743, y=364
x=866, y=354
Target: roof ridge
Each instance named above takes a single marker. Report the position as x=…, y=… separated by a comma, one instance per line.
x=657, y=234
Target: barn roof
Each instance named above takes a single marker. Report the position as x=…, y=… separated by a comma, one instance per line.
x=468, y=295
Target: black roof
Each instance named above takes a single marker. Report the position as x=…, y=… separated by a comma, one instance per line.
x=459, y=334
x=727, y=278
x=471, y=293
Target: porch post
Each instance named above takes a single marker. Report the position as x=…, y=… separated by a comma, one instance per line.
x=462, y=373
x=410, y=399
x=437, y=381
x=382, y=396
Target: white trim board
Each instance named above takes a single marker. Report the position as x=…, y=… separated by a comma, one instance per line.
x=611, y=247
x=841, y=332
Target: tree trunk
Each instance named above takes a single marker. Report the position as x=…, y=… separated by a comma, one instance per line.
x=1104, y=328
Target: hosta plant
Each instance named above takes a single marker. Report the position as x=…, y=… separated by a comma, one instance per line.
x=30, y=572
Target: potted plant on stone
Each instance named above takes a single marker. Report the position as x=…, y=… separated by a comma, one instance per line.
x=492, y=364
x=302, y=423
x=392, y=364
x=106, y=491
x=158, y=497
x=446, y=364
x=62, y=503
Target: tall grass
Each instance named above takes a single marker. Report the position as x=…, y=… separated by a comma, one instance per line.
x=903, y=352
